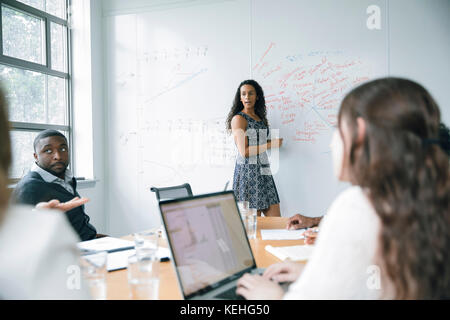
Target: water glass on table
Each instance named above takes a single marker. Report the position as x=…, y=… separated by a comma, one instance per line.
x=94, y=269
x=146, y=243
x=143, y=277
x=243, y=206
x=248, y=216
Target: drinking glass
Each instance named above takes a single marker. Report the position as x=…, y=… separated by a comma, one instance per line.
x=248, y=216
x=146, y=243
x=94, y=269
x=143, y=277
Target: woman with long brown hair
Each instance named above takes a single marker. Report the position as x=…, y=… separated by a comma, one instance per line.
x=387, y=236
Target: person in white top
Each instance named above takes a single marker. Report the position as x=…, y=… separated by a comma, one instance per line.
x=38, y=254
x=387, y=236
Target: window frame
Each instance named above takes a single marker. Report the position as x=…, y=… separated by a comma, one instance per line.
x=44, y=69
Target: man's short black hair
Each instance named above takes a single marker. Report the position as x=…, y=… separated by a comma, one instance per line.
x=45, y=134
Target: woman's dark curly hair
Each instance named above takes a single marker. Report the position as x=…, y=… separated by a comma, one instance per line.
x=260, y=105
x=406, y=172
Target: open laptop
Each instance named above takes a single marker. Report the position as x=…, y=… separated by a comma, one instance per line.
x=209, y=245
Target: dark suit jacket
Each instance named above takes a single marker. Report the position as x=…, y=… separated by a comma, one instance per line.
x=32, y=189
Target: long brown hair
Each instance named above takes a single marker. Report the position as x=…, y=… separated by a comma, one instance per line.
x=406, y=173
x=5, y=154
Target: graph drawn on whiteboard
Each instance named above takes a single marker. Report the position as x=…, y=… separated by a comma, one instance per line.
x=182, y=145
x=175, y=67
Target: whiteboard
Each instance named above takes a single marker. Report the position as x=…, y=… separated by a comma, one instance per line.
x=172, y=76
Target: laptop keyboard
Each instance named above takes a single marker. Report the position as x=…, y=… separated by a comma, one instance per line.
x=230, y=294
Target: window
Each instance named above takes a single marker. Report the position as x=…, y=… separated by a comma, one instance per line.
x=34, y=72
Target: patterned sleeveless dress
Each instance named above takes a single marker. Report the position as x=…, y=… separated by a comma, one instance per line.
x=253, y=181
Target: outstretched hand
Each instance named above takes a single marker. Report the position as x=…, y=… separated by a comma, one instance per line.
x=65, y=206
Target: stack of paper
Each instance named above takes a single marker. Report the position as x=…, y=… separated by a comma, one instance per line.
x=118, y=251
x=282, y=234
x=294, y=253
x=119, y=259
x=109, y=244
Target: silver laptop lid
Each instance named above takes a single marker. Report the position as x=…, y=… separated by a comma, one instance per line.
x=208, y=241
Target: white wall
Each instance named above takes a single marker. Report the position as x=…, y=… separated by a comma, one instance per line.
x=420, y=46
x=120, y=7
x=88, y=114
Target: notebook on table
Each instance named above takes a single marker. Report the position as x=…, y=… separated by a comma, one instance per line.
x=293, y=253
x=118, y=251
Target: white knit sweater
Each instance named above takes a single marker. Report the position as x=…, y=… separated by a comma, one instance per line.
x=342, y=264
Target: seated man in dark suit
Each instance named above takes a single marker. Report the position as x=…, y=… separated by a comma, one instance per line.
x=49, y=179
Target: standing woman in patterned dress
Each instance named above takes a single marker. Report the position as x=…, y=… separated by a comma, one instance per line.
x=253, y=181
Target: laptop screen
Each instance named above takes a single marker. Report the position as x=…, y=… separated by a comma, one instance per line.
x=208, y=240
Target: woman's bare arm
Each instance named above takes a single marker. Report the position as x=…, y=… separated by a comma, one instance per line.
x=238, y=127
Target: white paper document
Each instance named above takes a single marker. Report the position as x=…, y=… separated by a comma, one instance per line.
x=118, y=251
x=119, y=259
x=105, y=244
x=282, y=234
x=294, y=253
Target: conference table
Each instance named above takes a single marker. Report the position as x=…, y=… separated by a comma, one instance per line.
x=117, y=284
